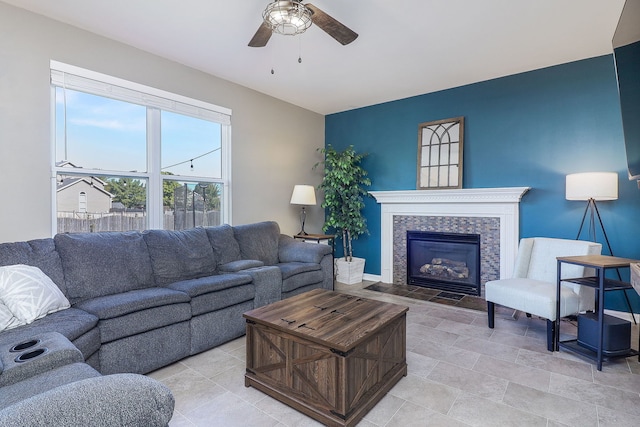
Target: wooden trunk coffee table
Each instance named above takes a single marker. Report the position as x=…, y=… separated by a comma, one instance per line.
x=331, y=356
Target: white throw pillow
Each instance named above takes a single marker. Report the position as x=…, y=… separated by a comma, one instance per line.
x=29, y=293
x=7, y=319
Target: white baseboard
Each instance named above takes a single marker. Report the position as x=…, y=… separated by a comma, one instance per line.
x=372, y=277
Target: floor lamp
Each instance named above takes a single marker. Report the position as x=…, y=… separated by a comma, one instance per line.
x=304, y=195
x=592, y=187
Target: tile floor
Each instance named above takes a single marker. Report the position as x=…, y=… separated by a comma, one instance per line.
x=461, y=373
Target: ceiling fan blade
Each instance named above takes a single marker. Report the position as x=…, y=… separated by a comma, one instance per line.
x=262, y=36
x=329, y=25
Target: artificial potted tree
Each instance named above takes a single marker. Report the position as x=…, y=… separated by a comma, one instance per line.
x=344, y=185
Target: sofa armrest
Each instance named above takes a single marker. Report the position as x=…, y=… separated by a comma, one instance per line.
x=41, y=353
x=268, y=283
x=290, y=250
x=112, y=400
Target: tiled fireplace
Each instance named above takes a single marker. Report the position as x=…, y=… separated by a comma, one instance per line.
x=493, y=213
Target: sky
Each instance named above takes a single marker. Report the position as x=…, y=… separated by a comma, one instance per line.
x=103, y=133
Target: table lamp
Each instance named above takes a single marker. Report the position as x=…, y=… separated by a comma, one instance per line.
x=304, y=195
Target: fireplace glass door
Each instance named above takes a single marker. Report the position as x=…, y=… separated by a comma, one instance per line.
x=446, y=261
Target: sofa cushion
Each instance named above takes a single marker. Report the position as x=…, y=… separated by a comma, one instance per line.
x=40, y=253
x=133, y=400
x=242, y=264
x=289, y=269
x=216, y=292
x=46, y=381
x=98, y=264
x=138, y=311
x=139, y=322
x=110, y=306
x=302, y=279
x=214, y=283
x=259, y=241
x=222, y=299
x=224, y=244
x=180, y=255
x=72, y=323
x=290, y=250
x=29, y=293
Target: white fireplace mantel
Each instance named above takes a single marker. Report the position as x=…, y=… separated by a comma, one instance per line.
x=502, y=203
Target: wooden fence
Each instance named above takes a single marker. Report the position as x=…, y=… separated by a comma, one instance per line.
x=125, y=221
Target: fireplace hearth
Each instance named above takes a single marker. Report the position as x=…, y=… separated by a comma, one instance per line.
x=446, y=261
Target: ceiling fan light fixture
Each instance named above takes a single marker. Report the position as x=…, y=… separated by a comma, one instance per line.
x=287, y=17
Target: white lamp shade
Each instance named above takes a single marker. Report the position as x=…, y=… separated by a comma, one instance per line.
x=592, y=185
x=303, y=195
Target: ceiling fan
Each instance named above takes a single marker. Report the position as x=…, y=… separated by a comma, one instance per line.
x=292, y=17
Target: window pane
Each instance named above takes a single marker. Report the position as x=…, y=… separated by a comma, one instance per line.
x=101, y=133
x=435, y=159
x=191, y=204
x=190, y=146
x=444, y=154
x=92, y=204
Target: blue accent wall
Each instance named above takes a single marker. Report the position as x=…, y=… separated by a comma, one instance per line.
x=524, y=130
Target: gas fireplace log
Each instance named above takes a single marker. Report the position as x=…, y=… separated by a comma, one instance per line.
x=446, y=268
x=448, y=262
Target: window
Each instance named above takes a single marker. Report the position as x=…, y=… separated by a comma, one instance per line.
x=131, y=157
x=82, y=202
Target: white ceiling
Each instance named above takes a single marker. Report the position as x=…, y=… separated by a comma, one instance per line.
x=404, y=48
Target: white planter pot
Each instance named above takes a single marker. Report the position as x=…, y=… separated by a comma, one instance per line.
x=349, y=272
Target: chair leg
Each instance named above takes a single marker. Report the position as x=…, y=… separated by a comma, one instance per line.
x=491, y=313
x=551, y=329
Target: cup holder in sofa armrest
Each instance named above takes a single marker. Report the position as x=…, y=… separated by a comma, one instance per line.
x=24, y=345
x=30, y=356
x=26, y=356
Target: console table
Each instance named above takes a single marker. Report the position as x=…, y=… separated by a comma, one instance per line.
x=601, y=284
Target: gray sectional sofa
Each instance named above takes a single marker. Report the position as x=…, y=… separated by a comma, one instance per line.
x=141, y=301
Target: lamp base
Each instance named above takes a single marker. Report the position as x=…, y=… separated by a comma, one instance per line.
x=303, y=218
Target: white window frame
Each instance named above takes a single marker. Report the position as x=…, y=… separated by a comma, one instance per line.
x=83, y=80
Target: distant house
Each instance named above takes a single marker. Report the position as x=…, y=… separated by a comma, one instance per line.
x=83, y=194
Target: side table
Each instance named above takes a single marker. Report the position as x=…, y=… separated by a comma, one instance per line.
x=601, y=284
x=329, y=238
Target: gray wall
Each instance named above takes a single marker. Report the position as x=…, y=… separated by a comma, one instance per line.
x=267, y=158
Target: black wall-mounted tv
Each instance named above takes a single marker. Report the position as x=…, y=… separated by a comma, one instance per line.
x=626, y=53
